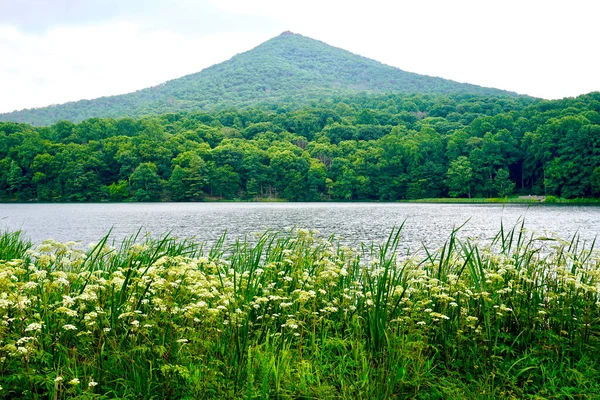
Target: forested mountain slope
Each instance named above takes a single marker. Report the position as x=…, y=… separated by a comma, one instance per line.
x=362, y=147
x=289, y=68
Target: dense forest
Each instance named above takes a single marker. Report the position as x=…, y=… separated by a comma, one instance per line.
x=364, y=147
x=287, y=68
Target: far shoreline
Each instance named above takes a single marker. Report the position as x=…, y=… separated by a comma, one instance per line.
x=521, y=200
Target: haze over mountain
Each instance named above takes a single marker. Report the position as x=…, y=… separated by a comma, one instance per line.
x=289, y=67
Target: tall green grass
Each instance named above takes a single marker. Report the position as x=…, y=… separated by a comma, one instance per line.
x=13, y=245
x=293, y=315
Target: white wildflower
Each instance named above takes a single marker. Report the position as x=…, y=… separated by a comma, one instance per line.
x=68, y=301
x=24, y=340
x=31, y=285
x=69, y=327
x=35, y=326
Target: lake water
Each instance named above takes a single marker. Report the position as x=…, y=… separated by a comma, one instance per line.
x=353, y=223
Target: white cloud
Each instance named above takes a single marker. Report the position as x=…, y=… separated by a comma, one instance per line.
x=71, y=63
x=541, y=48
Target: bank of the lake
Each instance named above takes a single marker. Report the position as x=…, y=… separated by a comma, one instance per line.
x=294, y=315
x=530, y=200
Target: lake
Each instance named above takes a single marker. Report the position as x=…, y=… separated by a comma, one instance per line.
x=353, y=223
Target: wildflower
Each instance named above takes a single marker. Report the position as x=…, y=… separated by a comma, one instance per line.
x=504, y=308
x=74, y=382
x=24, y=340
x=330, y=309
x=68, y=301
x=69, y=327
x=36, y=327
x=39, y=274
x=182, y=340
x=31, y=285
x=421, y=323
x=62, y=281
x=66, y=311
x=92, y=384
x=58, y=379
x=90, y=316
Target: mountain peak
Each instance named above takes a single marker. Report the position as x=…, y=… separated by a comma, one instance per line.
x=298, y=69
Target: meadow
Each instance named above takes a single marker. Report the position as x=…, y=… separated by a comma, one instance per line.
x=294, y=315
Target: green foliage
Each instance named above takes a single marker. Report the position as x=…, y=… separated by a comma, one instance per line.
x=118, y=191
x=293, y=315
x=504, y=186
x=13, y=245
x=145, y=182
x=359, y=147
x=459, y=177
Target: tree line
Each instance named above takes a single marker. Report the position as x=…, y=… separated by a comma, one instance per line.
x=360, y=147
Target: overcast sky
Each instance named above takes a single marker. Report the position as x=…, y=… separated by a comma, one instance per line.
x=54, y=51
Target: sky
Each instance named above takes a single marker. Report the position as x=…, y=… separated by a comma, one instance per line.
x=55, y=51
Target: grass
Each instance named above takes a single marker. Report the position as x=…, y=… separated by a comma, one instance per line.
x=509, y=200
x=293, y=315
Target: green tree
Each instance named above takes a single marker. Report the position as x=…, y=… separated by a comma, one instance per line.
x=223, y=181
x=118, y=191
x=459, y=177
x=15, y=179
x=291, y=171
x=177, y=184
x=504, y=186
x=145, y=182
x=595, y=181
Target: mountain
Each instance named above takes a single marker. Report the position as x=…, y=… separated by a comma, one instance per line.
x=287, y=68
